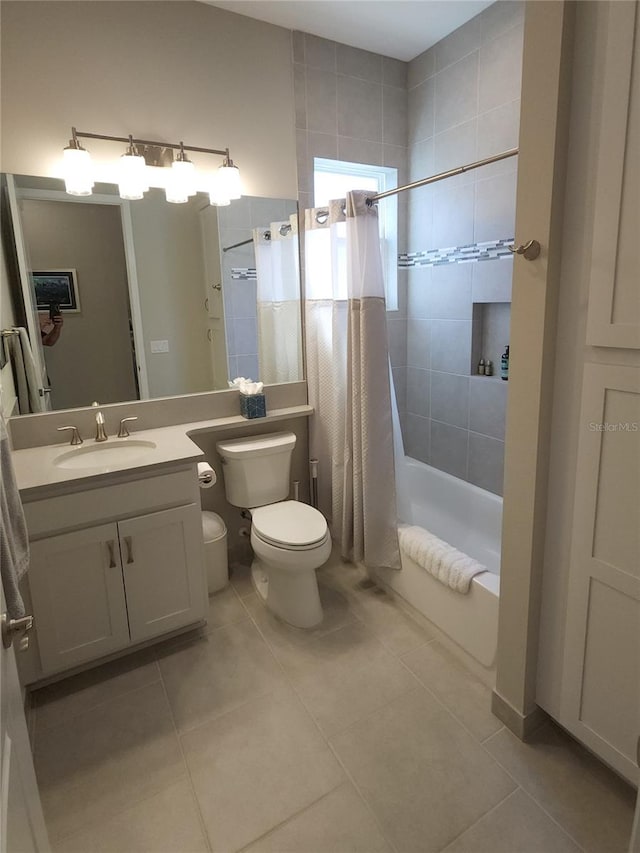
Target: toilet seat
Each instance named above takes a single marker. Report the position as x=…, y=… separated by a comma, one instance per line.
x=291, y=525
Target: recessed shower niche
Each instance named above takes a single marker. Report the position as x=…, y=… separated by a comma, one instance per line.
x=491, y=317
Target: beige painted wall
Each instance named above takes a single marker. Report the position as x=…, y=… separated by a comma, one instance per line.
x=161, y=70
x=92, y=360
x=171, y=281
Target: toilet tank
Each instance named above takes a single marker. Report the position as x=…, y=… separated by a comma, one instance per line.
x=257, y=469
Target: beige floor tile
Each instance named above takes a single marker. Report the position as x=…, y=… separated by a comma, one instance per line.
x=593, y=804
x=57, y=702
x=168, y=822
x=213, y=673
x=424, y=776
x=346, y=577
x=102, y=761
x=517, y=825
x=225, y=608
x=240, y=577
x=465, y=696
x=257, y=766
x=399, y=631
x=345, y=675
x=338, y=823
x=336, y=614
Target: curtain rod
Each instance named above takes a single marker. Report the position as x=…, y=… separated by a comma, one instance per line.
x=442, y=175
x=284, y=230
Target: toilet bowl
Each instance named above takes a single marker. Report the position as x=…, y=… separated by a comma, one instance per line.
x=290, y=539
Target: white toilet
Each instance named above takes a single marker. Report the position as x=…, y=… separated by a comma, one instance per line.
x=290, y=539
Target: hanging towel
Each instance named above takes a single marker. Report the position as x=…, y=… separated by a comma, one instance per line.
x=14, y=541
x=451, y=567
x=25, y=373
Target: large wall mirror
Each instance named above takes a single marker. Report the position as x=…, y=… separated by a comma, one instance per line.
x=143, y=299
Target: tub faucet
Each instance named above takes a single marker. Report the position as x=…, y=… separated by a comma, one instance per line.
x=101, y=435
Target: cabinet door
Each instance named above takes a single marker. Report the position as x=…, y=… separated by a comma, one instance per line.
x=162, y=559
x=78, y=597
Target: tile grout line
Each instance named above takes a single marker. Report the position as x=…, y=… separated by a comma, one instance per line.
x=196, y=801
x=149, y=795
x=92, y=708
x=290, y=818
x=328, y=743
x=554, y=820
x=482, y=817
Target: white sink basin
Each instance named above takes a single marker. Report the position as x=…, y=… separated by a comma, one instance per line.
x=109, y=455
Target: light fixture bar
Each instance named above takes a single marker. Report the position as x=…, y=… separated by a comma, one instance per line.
x=175, y=145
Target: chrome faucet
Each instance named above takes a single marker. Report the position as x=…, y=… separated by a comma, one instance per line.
x=101, y=435
x=76, y=438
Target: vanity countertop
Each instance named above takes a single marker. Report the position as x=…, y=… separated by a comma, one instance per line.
x=39, y=472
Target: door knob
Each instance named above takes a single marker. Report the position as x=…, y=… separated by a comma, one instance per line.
x=12, y=628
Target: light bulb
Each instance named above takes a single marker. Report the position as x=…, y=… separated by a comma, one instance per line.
x=229, y=177
x=183, y=172
x=132, y=179
x=76, y=164
x=217, y=195
x=176, y=192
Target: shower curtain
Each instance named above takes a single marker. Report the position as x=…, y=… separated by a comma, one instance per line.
x=351, y=431
x=278, y=288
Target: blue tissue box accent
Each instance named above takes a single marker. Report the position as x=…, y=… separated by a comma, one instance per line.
x=253, y=406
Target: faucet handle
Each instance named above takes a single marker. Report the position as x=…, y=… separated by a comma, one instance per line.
x=123, y=432
x=76, y=438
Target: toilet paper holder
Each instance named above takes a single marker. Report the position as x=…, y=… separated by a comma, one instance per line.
x=206, y=475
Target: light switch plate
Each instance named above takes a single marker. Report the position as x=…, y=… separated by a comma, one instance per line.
x=159, y=346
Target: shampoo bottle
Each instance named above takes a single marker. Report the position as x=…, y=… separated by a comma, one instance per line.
x=504, y=364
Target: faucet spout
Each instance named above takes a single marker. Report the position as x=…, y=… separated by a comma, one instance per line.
x=101, y=435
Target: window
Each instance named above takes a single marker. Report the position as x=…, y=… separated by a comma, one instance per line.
x=334, y=178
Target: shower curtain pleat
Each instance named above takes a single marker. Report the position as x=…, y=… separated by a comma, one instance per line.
x=351, y=431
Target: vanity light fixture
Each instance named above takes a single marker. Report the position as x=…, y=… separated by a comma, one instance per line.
x=132, y=178
x=229, y=179
x=77, y=167
x=133, y=172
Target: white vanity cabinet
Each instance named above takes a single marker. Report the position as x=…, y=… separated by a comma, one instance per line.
x=78, y=596
x=107, y=586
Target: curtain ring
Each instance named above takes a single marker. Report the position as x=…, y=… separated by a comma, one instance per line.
x=322, y=216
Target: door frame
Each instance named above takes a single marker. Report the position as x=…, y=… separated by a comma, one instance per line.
x=22, y=193
x=543, y=143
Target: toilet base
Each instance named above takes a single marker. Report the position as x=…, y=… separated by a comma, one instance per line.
x=291, y=596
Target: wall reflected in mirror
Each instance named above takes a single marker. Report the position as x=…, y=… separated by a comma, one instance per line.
x=162, y=308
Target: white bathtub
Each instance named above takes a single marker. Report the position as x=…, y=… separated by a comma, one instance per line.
x=470, y=519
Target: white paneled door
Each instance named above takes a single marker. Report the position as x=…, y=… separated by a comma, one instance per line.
x=22, y=828
x=601, y=701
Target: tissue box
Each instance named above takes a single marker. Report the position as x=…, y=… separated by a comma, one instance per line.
x=253, y=406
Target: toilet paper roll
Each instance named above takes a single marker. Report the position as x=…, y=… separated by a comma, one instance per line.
x=206, y=475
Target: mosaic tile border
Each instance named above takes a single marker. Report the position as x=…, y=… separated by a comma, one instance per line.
x=243, y=273
x=489, y=251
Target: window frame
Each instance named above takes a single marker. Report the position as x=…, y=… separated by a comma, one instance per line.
x=386, y=178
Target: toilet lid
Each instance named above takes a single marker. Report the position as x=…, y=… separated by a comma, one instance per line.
x=289, y=523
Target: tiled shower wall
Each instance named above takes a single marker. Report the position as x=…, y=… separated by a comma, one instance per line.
x=352, y=105
x=464, y=105
x=457, y=102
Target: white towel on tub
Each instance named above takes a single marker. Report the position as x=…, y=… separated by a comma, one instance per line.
x=451, y=567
